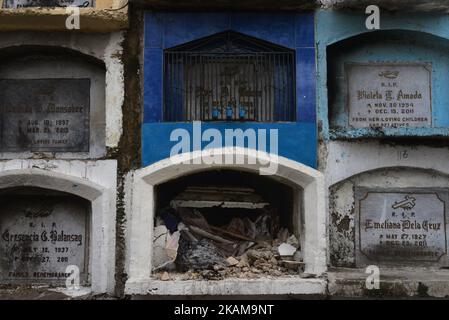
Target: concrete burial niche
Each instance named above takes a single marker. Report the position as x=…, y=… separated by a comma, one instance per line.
x=165, y=183
x=385, y=83
x=274, y=85
x=53, y=102
x=251, y=73
x=55, y=225
x=377, y=218
x=382, y=97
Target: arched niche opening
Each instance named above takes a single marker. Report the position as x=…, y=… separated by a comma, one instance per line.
x=384, y=83
x=239, y=211
x=247, y=193
x=53, y=103
x=44, y=237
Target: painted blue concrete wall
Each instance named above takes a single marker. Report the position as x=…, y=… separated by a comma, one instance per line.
x=297, y=140
x=425, y=39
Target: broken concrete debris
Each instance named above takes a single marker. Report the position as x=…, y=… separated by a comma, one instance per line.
x=286, y=250
x=165, y=276
x=191, y=248
x=232, y=261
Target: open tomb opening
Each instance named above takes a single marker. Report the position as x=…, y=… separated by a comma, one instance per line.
x=226, y=223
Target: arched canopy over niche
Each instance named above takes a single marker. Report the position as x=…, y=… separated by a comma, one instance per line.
x=53, y=103
x=411, y=61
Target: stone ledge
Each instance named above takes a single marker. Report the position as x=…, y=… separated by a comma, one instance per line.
x=233, y=286
x=394, y=283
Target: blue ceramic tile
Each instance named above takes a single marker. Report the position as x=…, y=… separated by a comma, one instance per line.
x=153, y=85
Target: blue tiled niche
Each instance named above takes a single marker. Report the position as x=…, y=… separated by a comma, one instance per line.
x=297, y=140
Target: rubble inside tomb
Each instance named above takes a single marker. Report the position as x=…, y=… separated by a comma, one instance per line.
x=187, y=246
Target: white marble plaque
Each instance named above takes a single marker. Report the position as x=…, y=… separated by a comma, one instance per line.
x=45, y=115
x=389, y=95
x=404, y=226
x=40, y=236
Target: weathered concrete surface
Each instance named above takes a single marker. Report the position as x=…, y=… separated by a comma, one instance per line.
x=409, y=5
x=128, y=152
x=394, y=283
x=277, y=286
x=107, y=16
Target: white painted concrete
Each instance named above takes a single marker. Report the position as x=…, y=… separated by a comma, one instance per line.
x=94, y=181
x=308, y=182
x=346, y=159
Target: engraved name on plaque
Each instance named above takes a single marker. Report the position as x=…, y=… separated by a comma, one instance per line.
x=389, y=95
x=39, y=237
x=44, y=115
x=401, y=226
x=15, y=4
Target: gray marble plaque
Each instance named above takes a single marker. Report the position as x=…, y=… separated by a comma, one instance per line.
x=48, y=115
x=402, y=226
x=47, y=3
x=389, y=95
x=40, y=237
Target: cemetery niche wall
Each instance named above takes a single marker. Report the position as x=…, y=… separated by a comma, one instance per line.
x=61, y=97
x=57, y=181
x=382, y=105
